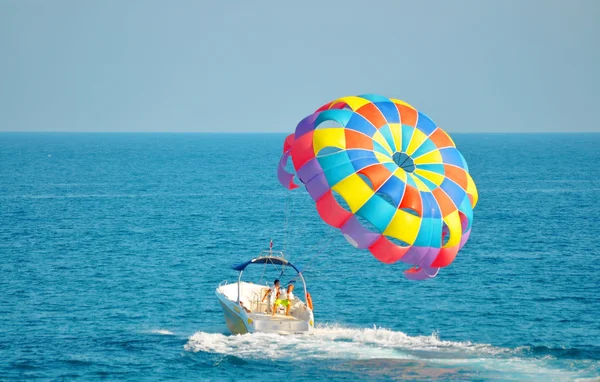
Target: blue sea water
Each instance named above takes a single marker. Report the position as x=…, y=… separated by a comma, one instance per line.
x=111, y=247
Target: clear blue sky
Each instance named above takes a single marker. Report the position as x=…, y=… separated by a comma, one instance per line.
x=472, y=66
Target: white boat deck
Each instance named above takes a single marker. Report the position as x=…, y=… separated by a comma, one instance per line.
x=268, y=317
x=246, y=310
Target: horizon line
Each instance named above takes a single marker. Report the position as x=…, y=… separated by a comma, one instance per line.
x=266, y=132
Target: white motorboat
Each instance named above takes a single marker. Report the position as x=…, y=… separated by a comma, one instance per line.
x=245, y=311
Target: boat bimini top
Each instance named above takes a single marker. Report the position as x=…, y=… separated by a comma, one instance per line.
x=268, y=257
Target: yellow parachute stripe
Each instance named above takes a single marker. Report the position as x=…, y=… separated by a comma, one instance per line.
x=354, y=190
x=420, y=185
x=383, y=158
x=396, y=129
x=416, y=140
x=435, y=177
x=452, y=220
x=352, y=101
x=472, y=189
x=430, y=157
x=378, y=137
x=329, y=137
x=404, y=226
x=401, y=103
x=400, y=174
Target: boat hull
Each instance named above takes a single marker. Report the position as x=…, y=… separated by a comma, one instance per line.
x=235, y=323
x=239, y=321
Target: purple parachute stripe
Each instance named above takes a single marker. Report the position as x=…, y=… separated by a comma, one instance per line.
x=422, y=274
x=362, y=237
x=317, y=187
x=365, y=231
x=306, y=125
x=414, y=255
x=310, y=169
x=463, y=239
x=285, y=178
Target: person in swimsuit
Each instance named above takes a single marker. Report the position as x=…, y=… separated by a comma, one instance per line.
x=287, y=301
x=289, y=297
x=275, y=292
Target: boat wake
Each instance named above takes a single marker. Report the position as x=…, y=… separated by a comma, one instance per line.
x=163, y=332
x=383, y=349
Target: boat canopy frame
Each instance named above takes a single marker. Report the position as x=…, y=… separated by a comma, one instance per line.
x=265, y=257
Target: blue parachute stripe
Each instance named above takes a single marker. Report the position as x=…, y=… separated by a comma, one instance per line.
x=432, y=186
x=450, y=155
x=435, y=167
x=423, y=238
x=467, y=210
x=361, y=163
x=341, y=116
x=426, y=125
x=333, y=160
x=464, y=161
x=358, y=123
x=430, y=233
x=354, y=154
x=380, y=149
x=337, y=174
x=393, y=187
x=431, y=208
x=378, y=212
x=411, y=182
x=454, y=191
x=407, y=132
x=387, y=134
x=391, y=166
x=389, y=111
x=426, y=147
x=375, y=98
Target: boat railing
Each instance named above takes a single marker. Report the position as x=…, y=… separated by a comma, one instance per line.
x=257, y=305
x=272, y=253
x=224, y=282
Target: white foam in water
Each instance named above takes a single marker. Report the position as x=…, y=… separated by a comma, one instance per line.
x=164, y=332
x=334, y=342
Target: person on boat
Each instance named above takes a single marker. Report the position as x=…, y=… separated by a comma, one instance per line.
x=275, y=292
x=243, y=306
x=289, y=297
x=286, y=300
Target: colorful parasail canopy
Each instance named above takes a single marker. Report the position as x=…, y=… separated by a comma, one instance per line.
x=387, y=177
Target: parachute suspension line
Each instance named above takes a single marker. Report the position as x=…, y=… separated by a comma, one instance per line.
x=286, y=212
x=281, y=273
x=263, y=273
x=318, y=252
x=301, y=229
x=274, y=266
x=313, y=258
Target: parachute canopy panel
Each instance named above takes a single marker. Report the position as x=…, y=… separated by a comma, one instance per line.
x=387, y=177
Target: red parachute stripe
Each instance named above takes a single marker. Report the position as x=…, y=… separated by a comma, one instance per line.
x=331, y=211
x=356, y=140
x=377, y=174
x=445, y=257
x=441, y=139
x=412, y=200
x=386, y=251
x=302, y=150
x=372, y=114
x=408, y=115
